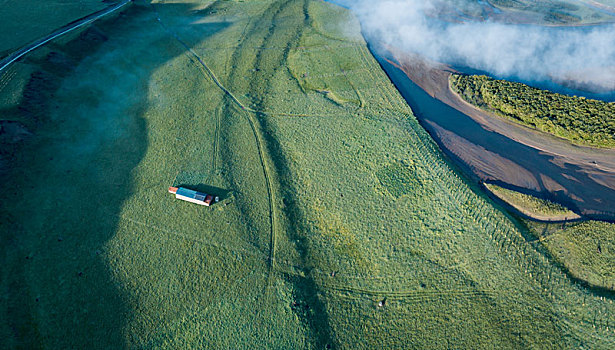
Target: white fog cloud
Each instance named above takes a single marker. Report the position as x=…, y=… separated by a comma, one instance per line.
x=586, y=55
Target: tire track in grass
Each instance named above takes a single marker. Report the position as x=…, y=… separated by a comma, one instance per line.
x=319, y=327
x=407, y=295
x=276, y=8
x=414, y=295
x=574, y=323
x=268, y=65
x=250, y=118
x=216, y=143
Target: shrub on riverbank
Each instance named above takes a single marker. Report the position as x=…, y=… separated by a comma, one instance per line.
x=582, y=121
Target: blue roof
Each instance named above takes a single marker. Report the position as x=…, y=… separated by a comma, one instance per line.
x=191, y=193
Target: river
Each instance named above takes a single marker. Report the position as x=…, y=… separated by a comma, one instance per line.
x=580, y=183
x=486, y=155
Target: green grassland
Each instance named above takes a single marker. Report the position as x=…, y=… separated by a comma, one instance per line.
x=530, y=205
x=586, y=249
x=334, y=199
x=577, y=119
x=25, y=21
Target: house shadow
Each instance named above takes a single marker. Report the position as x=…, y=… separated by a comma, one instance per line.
x=222, y=193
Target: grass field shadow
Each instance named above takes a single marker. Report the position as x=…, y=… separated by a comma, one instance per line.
x=86, y=104
x=205, y=188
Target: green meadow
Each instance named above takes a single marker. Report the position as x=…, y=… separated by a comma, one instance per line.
x=340, y=224
x=26, y=21
x=586, y=249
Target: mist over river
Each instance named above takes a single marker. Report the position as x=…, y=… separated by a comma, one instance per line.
x=581, y=178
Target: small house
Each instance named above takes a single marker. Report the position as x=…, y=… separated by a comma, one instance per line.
x=192, y=196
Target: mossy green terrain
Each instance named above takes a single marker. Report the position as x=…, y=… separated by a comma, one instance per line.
x=334, y=199
x=577, y=119
x=26, y=21
x=586, y=249
x=532, y=206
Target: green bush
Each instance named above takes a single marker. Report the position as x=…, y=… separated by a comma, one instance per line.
x=580, y=120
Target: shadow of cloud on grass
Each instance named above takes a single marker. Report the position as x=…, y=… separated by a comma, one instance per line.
x=85, y=104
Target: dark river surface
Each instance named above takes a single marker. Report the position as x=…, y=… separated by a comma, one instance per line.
x=489, y=156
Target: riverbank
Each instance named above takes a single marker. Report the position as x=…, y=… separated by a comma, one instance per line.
x=531, y=207
x=577, y=120
x=542, y=163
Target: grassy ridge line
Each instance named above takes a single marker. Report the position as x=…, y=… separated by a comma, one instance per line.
x=277, y=8
x=262, y=70
x=582, y=121
x=212, y=75
x=257, y=137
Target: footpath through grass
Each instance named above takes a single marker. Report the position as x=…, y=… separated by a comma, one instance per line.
x=335, y=200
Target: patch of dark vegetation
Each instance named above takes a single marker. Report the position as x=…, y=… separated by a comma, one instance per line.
x=399, y=179
x=582, y=121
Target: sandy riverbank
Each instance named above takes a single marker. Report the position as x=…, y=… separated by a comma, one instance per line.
x=434, y=79
x=584, y=173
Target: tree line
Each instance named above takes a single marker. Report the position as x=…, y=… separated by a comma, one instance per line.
x=578, y=119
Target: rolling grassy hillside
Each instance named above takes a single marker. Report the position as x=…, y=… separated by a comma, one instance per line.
x=335, y=200
x=25, y=21
x=586, y=249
